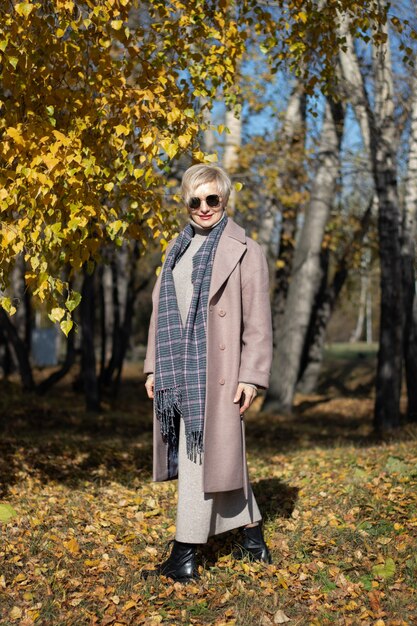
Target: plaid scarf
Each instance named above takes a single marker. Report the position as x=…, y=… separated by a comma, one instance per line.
x=180, y=372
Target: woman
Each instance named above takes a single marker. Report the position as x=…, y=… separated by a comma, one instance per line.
x=209, y=350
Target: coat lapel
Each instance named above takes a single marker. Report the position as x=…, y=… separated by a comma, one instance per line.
x=231, y=247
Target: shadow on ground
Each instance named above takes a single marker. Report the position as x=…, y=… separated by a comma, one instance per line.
x=275, y=498
x=54, y=438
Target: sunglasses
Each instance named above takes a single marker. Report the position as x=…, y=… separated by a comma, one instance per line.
x=213, y=201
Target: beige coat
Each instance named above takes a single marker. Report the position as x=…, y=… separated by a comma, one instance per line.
x=239, y=348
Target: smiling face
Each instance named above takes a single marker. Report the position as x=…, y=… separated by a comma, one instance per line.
x=205, y=215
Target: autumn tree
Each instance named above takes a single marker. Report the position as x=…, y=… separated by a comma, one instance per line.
x=98, y=99
x=381, y=133
x=101, y=102
x=306, y=274
x=91, y=115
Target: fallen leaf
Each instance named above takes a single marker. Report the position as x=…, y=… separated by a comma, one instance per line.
x=384, y=541
x=72, y=546
x=384, y=570
x=280, y=617
x=15, y=613
x=6, y=512
x=153, y=513
x=374, y=600
x=130, y=604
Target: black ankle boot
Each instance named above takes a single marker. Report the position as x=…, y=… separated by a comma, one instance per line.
x=181, y=565
x=253, y=545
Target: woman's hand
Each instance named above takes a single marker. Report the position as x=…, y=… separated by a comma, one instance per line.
x=245, y=394
x=149, y=386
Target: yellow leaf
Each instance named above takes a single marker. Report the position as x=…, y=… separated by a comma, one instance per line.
x=116, y=24
x=20, y=578
x=115, y=227
x=7, y=512
x=33, y=614
x=24, y=8
x=211, y=158
x=66, y=326
x=8, y=235
x=184, y=140
x=56, y=314
x=130, y=604
x=92, y=563
x=18, y=247
x=153, y=513
x=173, y=115
x=72, y=546
x=146, y=140
x=50, y=161
x=282, y=581
x=170, y=147
x=121, y=130
x=15, y=135
x=15, y=613
x=62, y=138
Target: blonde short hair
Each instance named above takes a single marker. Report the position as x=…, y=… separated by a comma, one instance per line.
x=201, y=174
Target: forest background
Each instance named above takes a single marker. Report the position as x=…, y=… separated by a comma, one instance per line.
x=310, y=106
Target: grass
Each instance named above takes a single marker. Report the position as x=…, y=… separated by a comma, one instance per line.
x=338, y=506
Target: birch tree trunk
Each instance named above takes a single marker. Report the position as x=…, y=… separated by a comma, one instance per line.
x=391, y=335
x=380, y=137
x=294, y=139
x=364, y=322
x=231, y=152
x=125, y=290
x=408, y=253
x=360, y=322
x=324, y=306
x=306, y=274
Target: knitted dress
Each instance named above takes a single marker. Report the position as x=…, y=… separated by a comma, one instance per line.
x=200, y=514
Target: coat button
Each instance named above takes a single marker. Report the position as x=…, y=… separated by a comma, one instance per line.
x=222, y=346
x=222, y=312
x=222, y=381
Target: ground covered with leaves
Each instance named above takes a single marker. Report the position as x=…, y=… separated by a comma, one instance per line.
x=340, y=510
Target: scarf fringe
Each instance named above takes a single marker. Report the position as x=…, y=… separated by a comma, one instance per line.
x=168, y=410
x=195, y=447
